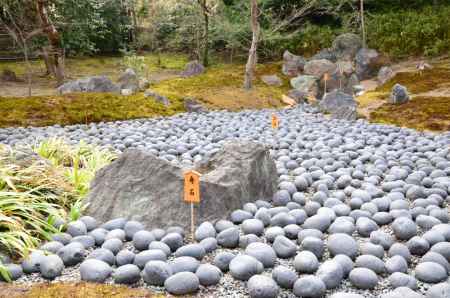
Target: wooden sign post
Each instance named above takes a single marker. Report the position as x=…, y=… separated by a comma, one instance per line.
x=326, y=77
x=275, y=121
x=192, y=193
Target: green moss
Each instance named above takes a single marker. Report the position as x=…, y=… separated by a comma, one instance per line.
x=74, y=290
x=80, y=108
x=418, y=83
x=422, y=113
x=221, y=86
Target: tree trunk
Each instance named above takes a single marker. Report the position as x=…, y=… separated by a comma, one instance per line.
x=206, y=39
x=363, y=26
x=252, y=55
x=55, y=57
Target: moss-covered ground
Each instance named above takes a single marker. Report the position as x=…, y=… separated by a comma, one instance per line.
x=220, y=87
x=73, y=290
x=429, y=107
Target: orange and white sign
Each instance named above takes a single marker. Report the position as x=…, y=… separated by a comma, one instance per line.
x=275, y=121
x=192, y=187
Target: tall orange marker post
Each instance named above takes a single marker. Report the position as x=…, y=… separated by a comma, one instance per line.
x=192, y=193
x=326, y=77
x=275, y=121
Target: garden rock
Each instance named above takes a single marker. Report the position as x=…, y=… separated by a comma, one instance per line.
x=345, y=46
x=76, y=228
x=399, y=279
x=272, y=80
x=205, y=230
x=191, y=250
x=182, y=283
x=95, y=271
x=284, y=248
x=342, y=244
x=89, y=84
x=241, y=168
x=129, y=80
x=182, y=264
x=385, y=74
x=307, y=84
x=284, y=277
x=439, y=291
x=157, y=97
x=309, y=286
x=243, y=267
x=306, y=262
x=145, y=256
x=104, y=255
x=127, y=274
x=193, y=68
x=399, y=94
x=51, y=266
x=15, y=272
x=262, y=252
x=293, y=64
x=339, y=105
x=331, y=273
x=89, y=222
x=72, y=253
x=173, y=241
x=430, y=272
x=368, y=63
x=52, y=246
x=319, y=67
x=222, y=260
x=124, y=257
x=261, y=286
x=155, y=273
x=363, y=278
x=208, y=274
x=131, y=228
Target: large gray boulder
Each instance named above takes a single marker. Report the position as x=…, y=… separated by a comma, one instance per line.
x=368, y=62
x=293, y=64
x=346, y=45
x=339, y=105
x=145, y=188
x=193, y=68
x=319, y=67
x=306, y=84
x=89, y=84
x=129, y=80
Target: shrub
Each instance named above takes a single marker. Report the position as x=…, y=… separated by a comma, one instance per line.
x=40, y=184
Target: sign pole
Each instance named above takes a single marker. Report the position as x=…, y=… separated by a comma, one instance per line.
x=192, y=221
x=192, y=194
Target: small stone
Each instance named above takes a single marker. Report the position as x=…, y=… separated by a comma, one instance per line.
x=76, y=228
x=396, y=264
x=104, y=255
x=51, y=266
x=131, y=228
x=370, y=262
x=117, y=223
x=306, y=262
x=52, y=246
x=284, y=277
x=114, y=245
x=430, y=272
x=182, y=283
x=142, y=239
x=89, y=222
x=228, y=238
x=400, y=279
x=331, y=273
x=261, y=286
x=309, y=286
x=145, y=256
x=222, y=260
x=404, y=228
x=116, y=234
x=208, y=274
x=87, y=241
x=173, y=240
x=155, y=273
x=95, y=271
x=191, y=250
x=209, y=244
x=284, y=248
x=161, y=246
x=363, y=278
x=253, y=226
x=263, y=253
x=342, y=244
x=205, y=230
x=15, y=272
x=441, y=290
x=127, y=274
x=124, y=257
x=314, y=245
x=182, y=264
x=243, y=267
x=72, y=253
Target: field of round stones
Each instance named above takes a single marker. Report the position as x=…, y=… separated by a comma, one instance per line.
x=361, y=211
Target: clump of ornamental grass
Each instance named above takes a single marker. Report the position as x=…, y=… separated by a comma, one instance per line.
x=39, y=184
